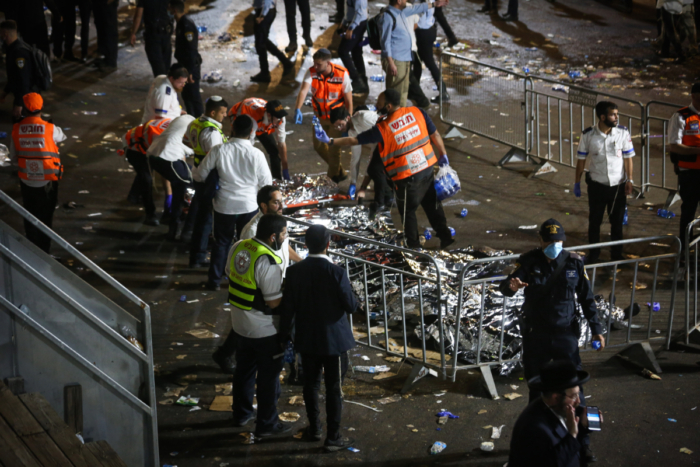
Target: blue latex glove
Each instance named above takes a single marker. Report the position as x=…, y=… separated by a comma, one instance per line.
x=298, y=117
x=285, y=174
x=577, y=190
x=352, y=190
x=322, y=137
x=443, y=161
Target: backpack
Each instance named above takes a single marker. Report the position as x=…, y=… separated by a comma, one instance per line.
x=43, y=77
x=374, y=29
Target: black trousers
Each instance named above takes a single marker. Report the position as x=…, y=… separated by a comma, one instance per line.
x=340, y=7
x=541, y=347
x=601, y=198
x=350, y=52
x=63, y=33
x=689, y=181
x=333, y=369
x=419, y=190
x=226, y=227
x=670, y=35
x=143, y=182
x=442, y=21
x=107, y=30
x=425, y=38
x=415, y=92
x=191, y=95
x=270, y=144
x=512, y=8
x=383, y=186
x=85, y=7
x=178, y=174
x=256, y=367
x=491, y=4
x=290, y=7
x=41, y=203
x=159, y=53
x=201, y=217
x=263, y=44
x=33, y=31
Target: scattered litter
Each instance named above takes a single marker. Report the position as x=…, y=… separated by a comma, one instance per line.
x=83, y=192
x=487, y=446
x=187, y=400
x=183, y=298
x=95, y=214
x=296, y=400
x=512, y=396
x=639, y=286
x=393, y=359
x=202, y=333
x=481, y=412
x=443, y=420
x=371, y=369
x=445, y=413
x=112, y=137
x=99, y=94
x=161, y=277
x=527, y=227
x=222, y=404
x=249, y=438
x=496, y=431
x=299, y=435
x=672, y=420
x=213, y=77
x=351, y=449
x=438, y=447
x=649, y=375
x=193, y=301
x=390, y=399
x=225, y=388
x=384, y=376
x=174, y=392
x=351, y=429
x=686, y=451
x=514, y=386
x=89, y=112
x=363, y=405
x=289, y=416
x=194, y=409
x=181, y=357
x=460, y=202
x=166, y=402
x=365, y=357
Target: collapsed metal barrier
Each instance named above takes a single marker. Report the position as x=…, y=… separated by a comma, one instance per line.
x=691, y=332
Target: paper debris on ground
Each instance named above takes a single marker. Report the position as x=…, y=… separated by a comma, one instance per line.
x=514, y=386
x=202, y=333
x=187, y=400
x=393, y=359
x=289, y=416
x=189, y=378
x=648, y=374
x=487, y=446
x=481, y=412
x=296, y=400
x=390, y=399
x=496, y=431
x=528, y=227
x=512, y=395
x=365, y=358
x=225, y=388
x=299, y=435
x=175, y=392
x=686, y=451
x=166, y=402
x=249, y=438
x=112, y=137
x=415, y=353
x=222, y=404
x=194, y=409
x=384, y=375
x=181, y=357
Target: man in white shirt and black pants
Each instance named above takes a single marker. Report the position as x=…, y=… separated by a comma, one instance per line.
x=609, y=147
x=243, y=170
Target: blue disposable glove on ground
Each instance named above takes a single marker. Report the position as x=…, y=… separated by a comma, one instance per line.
x=577, y=190
x=351, y=191
x=285, y=174
x=443, y=161
x=298, y=117
x=322, y=137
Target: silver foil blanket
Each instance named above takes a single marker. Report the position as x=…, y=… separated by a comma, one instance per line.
x=304, y=188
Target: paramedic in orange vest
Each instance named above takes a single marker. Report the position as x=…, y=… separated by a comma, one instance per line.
x=270, y=118
x=137, y=141
x=35, y=148
x=684, y=138
x=330, y=88
x=405, y=137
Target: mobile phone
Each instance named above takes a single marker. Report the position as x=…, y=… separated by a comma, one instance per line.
x=593, y=418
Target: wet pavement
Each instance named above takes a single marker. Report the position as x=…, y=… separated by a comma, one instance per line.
x=583, y=35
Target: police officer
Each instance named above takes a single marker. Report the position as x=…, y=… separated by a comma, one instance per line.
x=203, y=134
x=265, y=12
x=330, y=88
x=684, y=138
x=553, y=278
x=270, y=118
x=40, y=166
x=187, y=55
x=352, y=32
x=408, y=159
x=159, y=29
x=19, y=65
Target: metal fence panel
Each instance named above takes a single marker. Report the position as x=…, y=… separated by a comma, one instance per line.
x=691, y=281
x=659, y=170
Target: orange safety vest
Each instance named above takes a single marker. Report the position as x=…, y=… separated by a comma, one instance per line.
x=255, y=109
x=37, y=153
x=141, y=137
x=691, y=137
x=406, y=149
x=327, y=92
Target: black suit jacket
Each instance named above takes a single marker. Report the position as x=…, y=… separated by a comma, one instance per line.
x=540, y=439
x=317, y=295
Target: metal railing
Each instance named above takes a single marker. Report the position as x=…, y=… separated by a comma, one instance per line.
x=659, y=170
x=649, y=262
x=69, y=334
x=691, y=281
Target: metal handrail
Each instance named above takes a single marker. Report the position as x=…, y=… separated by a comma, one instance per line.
x=664, y=120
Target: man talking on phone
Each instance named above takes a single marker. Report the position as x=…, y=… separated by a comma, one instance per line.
x=553, y=279
x=551, y=429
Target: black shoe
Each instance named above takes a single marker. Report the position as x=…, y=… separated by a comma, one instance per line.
x=374, y=208
x=452, y=43
x=336, y=18
x=588, y=455
x=165, y=217
x=152, y=220
x=213, y=286
x=292, y=47
x=445, y=98
x=311, y=435
x=509, y=17
x=308, y=41
x=278, y=429
x=261, y=78
x=359, y=87
x=340, y=178
x=225, y=362
x=244, y=421
x=445, y=243
x=484, y=10
x=98, y=62
x=107, y=68
x=338, y=444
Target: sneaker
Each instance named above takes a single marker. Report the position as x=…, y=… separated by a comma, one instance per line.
x=243, y=421
x=338, y=444
x=261, y=78
x=278, y=429
x=226, y=363
x=292, y=47
x=311, y=435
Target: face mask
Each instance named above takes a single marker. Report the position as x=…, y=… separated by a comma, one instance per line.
x=553, y=250
x=609, y=123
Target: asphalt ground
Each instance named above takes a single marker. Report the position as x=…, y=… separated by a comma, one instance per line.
x=637, y=429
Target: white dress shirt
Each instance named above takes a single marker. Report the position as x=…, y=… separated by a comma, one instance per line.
x=58, y=136
x=161, y=100
x=606, y=153
x=208, y=138
x=168, y=145
x=251, y=229
x=676, y=127
x=242, y=170
x=361, y=122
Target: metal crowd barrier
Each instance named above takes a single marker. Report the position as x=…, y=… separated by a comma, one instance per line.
x=691, y=284
x=368, y=271
x=650, y=263
x=59, y=330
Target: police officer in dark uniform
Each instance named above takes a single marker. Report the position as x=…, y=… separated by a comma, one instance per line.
x=19, y=65
x=553, y=278
x=186, y=54
x=159, y=29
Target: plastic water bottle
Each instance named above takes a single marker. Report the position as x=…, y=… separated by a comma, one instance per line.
x=624, y=219
x=453, y=231
x=317, y=125
x=574, y=74
x=665, y=214
x=464, y=213
x=201, y=29
x=595, y=345
x=377, y=78
x=656, y=306
x=437, y=45
x=427, y=235
x=526, y=69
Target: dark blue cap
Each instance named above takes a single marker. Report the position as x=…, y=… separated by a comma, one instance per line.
x=552, y=231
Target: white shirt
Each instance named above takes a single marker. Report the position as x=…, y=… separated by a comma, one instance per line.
x=208, y=137
x=161, y=100
x=676, y=127
x=251, y=229
x=254, y=323
x=58, y=136
x=361, y=122
x=606, y=154
x=326, y=257
x=280, y=130
x=347, y=84
x=411, y=22
x=168, y=145
x=242, y=170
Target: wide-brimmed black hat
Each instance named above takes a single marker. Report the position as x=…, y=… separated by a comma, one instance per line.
x=557, y=376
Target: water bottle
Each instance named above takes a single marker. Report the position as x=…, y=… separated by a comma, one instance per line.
x=374, y=315
x=662, y=213
x=453, y=232
x=526, y=69
x=574, y=74
x=427, y=235
x=624, y=219
x=201, y=29
x=317, y=125
x=655, y=307
x=595, y=345
x=464, y=213
x=437, y=45
x=377, y=78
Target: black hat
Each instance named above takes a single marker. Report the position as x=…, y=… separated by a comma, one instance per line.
x=552, y=230
x=276, y=109
x=317, y=237
x=558, y=376
x=695, y=89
